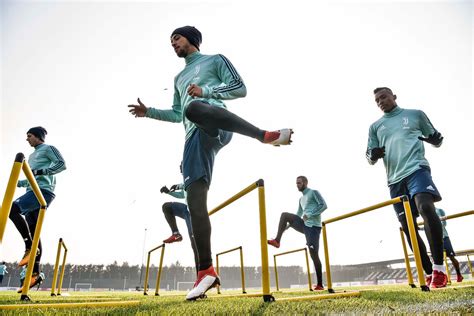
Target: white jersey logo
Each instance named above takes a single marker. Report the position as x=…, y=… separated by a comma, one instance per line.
x=197, y=69
x=430, y=187
x=405, y=123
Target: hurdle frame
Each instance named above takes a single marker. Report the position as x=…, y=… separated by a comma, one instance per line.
x=407, y=261
x=20, y=164
x=289, y=252
x=411, y=229
x=61, y=245
x=242, y=273
x=158, y=277
x=260, y=185
x=470, y=265
x=443, y=218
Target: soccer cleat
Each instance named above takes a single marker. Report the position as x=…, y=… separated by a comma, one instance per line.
x=173, y=238
x=428, y=280
x=26, y=257
x=318, y=287
x=439, y=279
x=36, y=279
x=206, y=280
x=277, y=138
x=273, y=242
x=459, y=278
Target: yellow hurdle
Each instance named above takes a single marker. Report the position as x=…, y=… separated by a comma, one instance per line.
x=407, y=261
x=399, y=199
x=286, y=253
x=448, y=273
x=414, y=243
x=69, y=305
x=21, y=164
x=61, y=245
x=158, y=277
x=242, y=273
x=470, y=265
x=9, y=193
x=267, y=297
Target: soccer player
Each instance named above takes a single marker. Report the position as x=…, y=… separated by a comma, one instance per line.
x=46, y=161
x=199, y=91
x=3, y=271
x=307, y=221
x=173, y=209
x=397, y=138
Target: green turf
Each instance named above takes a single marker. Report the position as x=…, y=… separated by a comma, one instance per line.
x=397, y=299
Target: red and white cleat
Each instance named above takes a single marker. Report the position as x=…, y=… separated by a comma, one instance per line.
x=274, y=243
x=318, y=287
x=428, y=280
x=439, y=279
x=277, y=138
x=206, y=280
x=173, y=238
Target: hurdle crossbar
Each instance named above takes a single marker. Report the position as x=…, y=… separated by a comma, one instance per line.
x=242, y=273
x=61, y=245
x=267, y=297
x=160, y=267
x=20, y=164
x=411, y=227
x=286, y=253
x=443, y=218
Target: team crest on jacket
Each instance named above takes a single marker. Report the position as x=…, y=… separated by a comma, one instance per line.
x=197, y=69
x=405, y=123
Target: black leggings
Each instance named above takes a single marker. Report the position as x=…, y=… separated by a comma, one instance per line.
x=425, y=259
x=433, y=227
x=171, y=219
x=297, y=223
x=197, y=204
x=211, y=118
x=433, y=230
x=26, y=226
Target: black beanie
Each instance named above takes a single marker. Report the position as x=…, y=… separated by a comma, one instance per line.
x=38, y=131
x=191, y=33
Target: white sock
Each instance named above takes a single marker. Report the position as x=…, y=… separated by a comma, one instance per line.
x=439, y=267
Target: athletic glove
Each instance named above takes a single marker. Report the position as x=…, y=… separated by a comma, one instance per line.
x=38, y=172
x=434, y=139
x=174, y=187
x=164, y=190
x=377, y=153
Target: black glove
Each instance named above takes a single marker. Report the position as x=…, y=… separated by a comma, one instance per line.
x=164, y=190
x=434, y=139
x=174, y=187
x=38, y=172
x=377, y=153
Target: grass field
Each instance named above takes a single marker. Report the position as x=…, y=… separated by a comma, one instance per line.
x=395, y=299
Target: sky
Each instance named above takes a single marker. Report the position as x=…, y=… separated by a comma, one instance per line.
x=73, y=67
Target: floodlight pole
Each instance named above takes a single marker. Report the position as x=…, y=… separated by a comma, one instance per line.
x=143, y=256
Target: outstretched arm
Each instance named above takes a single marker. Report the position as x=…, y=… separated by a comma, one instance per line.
x=141, y=110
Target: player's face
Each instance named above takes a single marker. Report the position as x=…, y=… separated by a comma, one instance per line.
x=300, y=184
x=32, y=140
x=385, y=100
x=181, y=45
